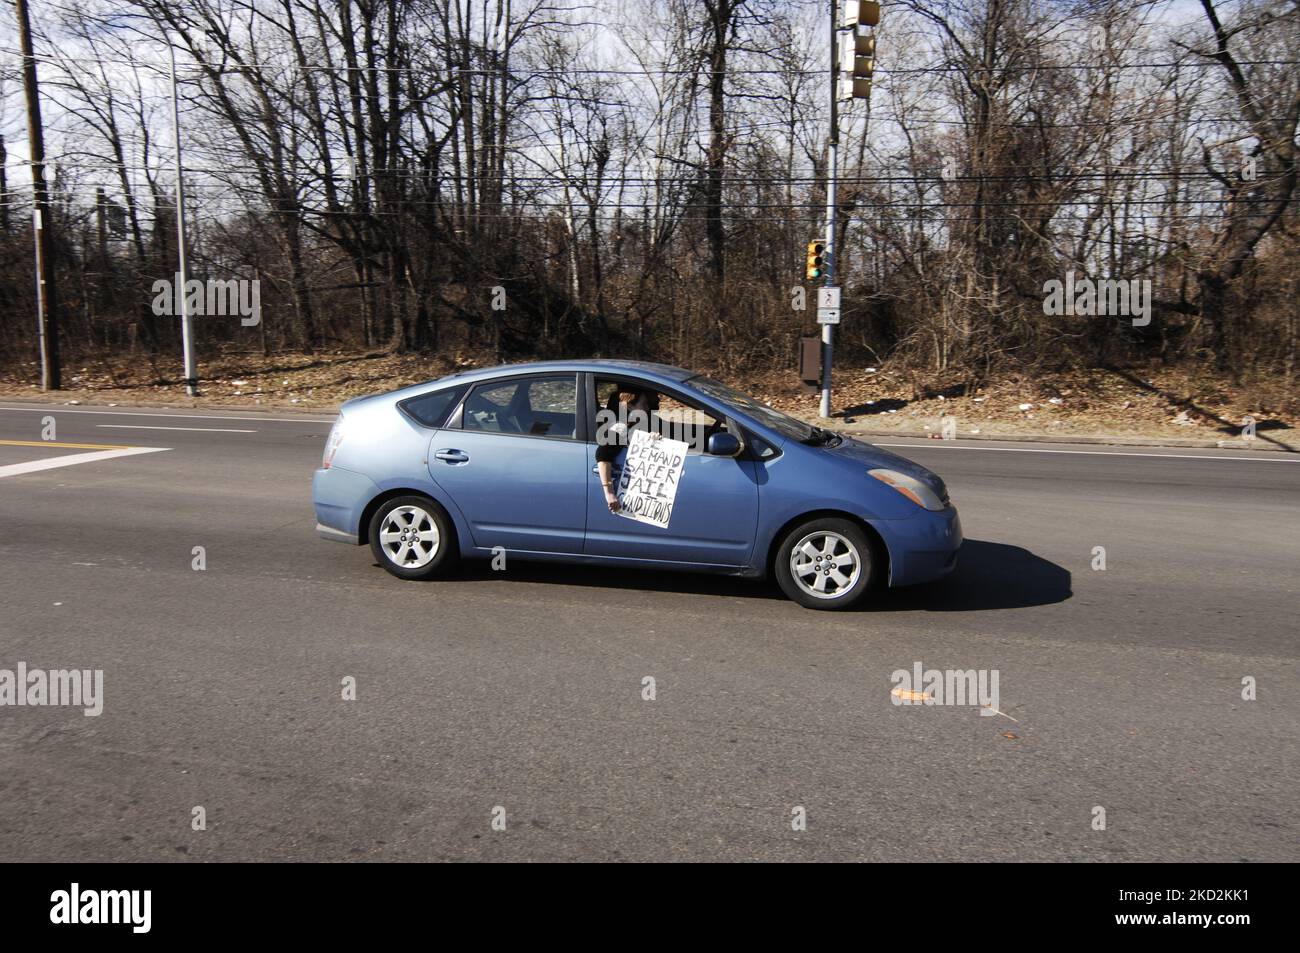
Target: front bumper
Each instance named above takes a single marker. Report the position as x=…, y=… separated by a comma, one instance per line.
x=922, y=547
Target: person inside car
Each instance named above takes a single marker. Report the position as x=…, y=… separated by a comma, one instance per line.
x=627, y=409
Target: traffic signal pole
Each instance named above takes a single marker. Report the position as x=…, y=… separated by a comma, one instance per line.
x=832, y=174
x=859, y=62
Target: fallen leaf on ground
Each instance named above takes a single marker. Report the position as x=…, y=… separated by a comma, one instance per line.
x=908, y=695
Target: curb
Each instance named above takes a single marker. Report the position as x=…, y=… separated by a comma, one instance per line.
x=1261, y=443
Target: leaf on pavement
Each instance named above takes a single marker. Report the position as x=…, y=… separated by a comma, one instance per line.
x=909, y=695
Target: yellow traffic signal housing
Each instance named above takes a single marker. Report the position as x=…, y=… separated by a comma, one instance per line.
x=816, y=260
x=865, y=12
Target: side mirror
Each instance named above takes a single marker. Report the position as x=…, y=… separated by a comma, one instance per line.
x=723, y=445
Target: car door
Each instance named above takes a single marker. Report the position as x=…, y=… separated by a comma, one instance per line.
x=714, y=514
x=513, y=462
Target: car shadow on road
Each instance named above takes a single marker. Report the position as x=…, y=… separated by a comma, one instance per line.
x=988, y=576
x=633, y=580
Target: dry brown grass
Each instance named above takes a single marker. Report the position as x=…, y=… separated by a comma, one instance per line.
x=1165, y=402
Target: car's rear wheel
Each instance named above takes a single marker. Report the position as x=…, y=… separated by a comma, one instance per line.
x=413, y=538
x=826, y=563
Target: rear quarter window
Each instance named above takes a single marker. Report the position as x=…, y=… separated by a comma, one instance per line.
x=431, y=409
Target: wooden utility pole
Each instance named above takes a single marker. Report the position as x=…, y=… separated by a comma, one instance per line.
x=101, y=227
x=47, y=321
x=4, y=188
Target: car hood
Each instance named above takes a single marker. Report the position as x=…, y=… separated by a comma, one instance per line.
x=873, y=457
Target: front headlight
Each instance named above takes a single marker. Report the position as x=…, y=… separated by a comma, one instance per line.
x=910, y=487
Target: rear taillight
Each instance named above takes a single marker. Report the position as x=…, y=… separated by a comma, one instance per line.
x=332, y=443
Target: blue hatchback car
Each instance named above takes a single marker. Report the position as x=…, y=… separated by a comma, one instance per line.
x=504, y=460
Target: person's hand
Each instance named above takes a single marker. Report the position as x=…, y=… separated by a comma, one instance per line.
x=611, y=498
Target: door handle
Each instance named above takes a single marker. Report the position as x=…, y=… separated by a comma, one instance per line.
x=452, y=456
x=615, y=470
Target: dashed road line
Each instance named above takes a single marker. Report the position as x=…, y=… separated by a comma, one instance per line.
x=138, y=413
x=191, y=429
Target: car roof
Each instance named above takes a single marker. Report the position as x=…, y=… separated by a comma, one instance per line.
x=650, y=368
x=665, y=373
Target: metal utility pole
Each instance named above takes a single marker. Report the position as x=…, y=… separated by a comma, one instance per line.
x=832, y=175
x=47, y=320
x=859, y=63
x=182, y=273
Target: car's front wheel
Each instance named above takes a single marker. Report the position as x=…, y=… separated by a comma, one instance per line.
x=826, y=563
x=413, y=538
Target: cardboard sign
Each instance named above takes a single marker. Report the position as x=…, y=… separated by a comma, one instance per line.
x=651, y=474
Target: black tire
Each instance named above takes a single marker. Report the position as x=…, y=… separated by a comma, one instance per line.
x=408, y=557
x=852, y=539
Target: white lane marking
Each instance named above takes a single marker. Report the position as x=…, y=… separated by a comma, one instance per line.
x=147, y=427
x=136, y=413
x=16, y=468
x=1094, y=453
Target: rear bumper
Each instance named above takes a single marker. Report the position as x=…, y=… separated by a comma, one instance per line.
x=336, y=535
x=339, y=496
x=923, y=547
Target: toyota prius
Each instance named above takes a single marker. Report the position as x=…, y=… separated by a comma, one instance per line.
x=504, y=460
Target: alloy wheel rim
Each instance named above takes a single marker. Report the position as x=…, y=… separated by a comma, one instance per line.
x=825, y=565
x=409, y=537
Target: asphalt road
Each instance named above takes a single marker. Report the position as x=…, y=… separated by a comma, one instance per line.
x=522, y=689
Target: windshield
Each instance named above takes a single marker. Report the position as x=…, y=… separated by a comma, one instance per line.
x=783, y=424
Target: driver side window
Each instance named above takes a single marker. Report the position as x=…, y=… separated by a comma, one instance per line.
x=690, y=424
x=669, y=417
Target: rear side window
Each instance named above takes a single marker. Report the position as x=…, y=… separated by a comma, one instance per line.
x=431, y=409
x=531, y=406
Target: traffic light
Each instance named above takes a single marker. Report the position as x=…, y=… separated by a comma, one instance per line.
x=816, y=260
x=857, y=52
x=853, y=12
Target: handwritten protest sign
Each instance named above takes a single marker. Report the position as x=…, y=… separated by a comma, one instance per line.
x=651, y=474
